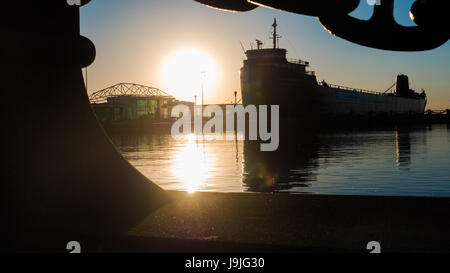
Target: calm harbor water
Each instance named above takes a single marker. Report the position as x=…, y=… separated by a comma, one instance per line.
x=396, y=162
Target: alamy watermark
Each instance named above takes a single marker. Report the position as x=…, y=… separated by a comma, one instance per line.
x=257, y=123
x=374, y=247
x=73, y=2
x=374, y=2
x=74, y=247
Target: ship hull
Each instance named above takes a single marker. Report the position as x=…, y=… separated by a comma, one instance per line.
x=336, y=101
x=300, y=96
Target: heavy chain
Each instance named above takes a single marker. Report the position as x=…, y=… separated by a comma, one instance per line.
x=380, y=31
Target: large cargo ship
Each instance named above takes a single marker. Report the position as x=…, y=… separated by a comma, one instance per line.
x=269, y=78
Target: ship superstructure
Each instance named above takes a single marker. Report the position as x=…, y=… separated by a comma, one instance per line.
x=269, y=78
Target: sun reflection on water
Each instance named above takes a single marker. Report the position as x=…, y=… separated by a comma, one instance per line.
x=191, y=165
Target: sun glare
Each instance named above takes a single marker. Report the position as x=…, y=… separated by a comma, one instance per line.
x=191, y=166
x=185, y=71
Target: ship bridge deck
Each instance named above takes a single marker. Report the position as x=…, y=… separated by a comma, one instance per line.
x=297, y=61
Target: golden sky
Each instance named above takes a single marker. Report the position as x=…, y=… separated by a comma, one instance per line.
x=146, y=41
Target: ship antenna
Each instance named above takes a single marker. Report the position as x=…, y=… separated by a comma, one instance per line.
x=275, y=35
x=242, y=46
x=259, y=44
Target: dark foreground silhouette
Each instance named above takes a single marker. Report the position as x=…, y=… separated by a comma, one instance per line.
x=380, y=31
x=63, y=180
x=60, y=173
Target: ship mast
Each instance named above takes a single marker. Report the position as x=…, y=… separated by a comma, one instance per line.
x=275, y=36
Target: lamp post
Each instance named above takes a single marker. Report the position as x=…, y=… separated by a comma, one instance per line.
x=203, y=76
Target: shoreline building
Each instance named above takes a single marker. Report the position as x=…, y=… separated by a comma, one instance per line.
x=129, y=101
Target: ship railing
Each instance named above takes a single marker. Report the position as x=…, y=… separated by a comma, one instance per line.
x=297, y=61
x=351, y=89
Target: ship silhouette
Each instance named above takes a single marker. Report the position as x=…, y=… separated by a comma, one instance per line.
x=269, y=78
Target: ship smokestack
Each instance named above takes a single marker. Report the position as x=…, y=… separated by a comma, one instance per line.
x=402, y=85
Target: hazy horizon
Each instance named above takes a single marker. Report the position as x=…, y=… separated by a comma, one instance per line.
x=140, y=41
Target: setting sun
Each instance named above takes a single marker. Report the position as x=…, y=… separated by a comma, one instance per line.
x=184, y=72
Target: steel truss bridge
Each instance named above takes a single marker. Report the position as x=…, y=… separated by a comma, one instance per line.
x=126, y=89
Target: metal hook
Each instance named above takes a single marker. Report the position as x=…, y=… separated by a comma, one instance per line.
x=228, y=5
x=310, y=7
x=383, y=32
x=306, y=7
